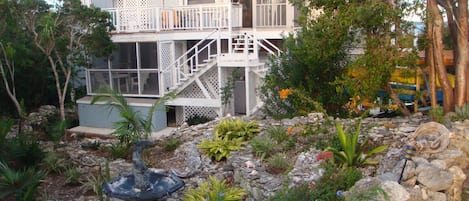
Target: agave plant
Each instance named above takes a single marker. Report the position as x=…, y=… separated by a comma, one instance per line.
x=23, y=183
x=133, y=126
x=353, y=153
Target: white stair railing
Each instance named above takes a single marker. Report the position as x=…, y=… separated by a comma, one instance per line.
x=192, y=60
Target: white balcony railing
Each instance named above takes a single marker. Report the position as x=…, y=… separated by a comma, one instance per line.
x=198, y=17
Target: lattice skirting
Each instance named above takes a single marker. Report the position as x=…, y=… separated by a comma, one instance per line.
x=183, y=113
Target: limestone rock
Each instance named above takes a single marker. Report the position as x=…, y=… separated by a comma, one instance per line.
x=455, y=191
x=434, y=178
x=384, y=190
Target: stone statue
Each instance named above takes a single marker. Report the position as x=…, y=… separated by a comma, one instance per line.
x=430, y=137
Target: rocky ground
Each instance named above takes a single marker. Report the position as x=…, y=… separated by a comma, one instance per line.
x=437, y=171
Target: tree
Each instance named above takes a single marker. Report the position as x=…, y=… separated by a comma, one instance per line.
x=22, y=73
x=457, y=16
x=319, y=59
x=67, y=36
x=315, y=55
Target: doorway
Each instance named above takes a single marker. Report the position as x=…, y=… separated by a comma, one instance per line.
x=171, y=116
x=247, y=13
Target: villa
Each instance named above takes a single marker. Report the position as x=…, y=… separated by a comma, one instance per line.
x=212, y=54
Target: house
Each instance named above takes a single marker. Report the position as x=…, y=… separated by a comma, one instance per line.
x=211, y=53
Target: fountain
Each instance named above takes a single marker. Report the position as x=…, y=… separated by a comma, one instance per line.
x=143, y=184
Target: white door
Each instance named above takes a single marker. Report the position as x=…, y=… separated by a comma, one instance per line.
x=166, y=59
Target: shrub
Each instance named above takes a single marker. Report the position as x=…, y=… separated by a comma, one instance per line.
x=277, y=133
x=197, y=119
x=95, y=182
x=462, y=113
x=54, y=163
x=278, y=163
x=119, y=150
x=236, y=128
x=219, y=148
x=351, y=152
x=171, y=144
x=22, y=184
x=214, y=190
x=263, y=146
x=437, y=114
x=334, y=180
x=72, y=175
x=299, y=193
x=23, y=150
x=56, y=128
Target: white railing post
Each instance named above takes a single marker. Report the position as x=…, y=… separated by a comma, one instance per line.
x=88, y=81
x=246, y=50
x=118, y=22
x=230, y=20
x=254, y=14
x=196, y=53
x=201, y=13
x=157, y=18
x=218, y=44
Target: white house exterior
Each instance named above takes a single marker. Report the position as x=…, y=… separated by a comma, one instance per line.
x=191, y=48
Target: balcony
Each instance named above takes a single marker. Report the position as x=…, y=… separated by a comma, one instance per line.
x=195, y=17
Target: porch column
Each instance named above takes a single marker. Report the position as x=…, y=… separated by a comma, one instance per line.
x=254, y=14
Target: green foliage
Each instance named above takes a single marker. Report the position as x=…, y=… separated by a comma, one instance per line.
x=229, y=135
x=279, y=162
x=214, y=190
x=264, y=146
x=56, y=128
x=351, y=152
x=220, y=148
x=278, y=133
x=236, y=128
x=5, y=127
x=462, y=113
x=298, y=193
x=372, y=193
x=334, y=180
x=437, y=114
x=72, y=175
x=21, y=184
x=54, y=163
x=171, y=144
x=22, y=150
x=95, y=182
x=32, y=80
x=197, y=119
x=119, y=150
x=132, y=126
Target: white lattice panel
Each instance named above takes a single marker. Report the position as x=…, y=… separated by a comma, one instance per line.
x=166, y=58
x=189, y=111
x=192, y=91
x=210, y=81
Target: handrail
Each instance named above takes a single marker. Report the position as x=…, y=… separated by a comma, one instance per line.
x=193, y=48
x=175, y=68
x=258, y=42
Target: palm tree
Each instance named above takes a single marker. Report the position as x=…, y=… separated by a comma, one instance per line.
x=133, y=126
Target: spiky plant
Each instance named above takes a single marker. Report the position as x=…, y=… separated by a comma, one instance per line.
x=22, y=183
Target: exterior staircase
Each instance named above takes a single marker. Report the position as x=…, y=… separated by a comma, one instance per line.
x=186, y=70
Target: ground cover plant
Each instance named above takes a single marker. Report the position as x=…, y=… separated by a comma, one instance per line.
x=229, y=135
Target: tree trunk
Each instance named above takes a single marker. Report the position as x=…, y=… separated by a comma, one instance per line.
x=429, y=60
x=438, y=57
x=10, y=91
x=462, y=51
